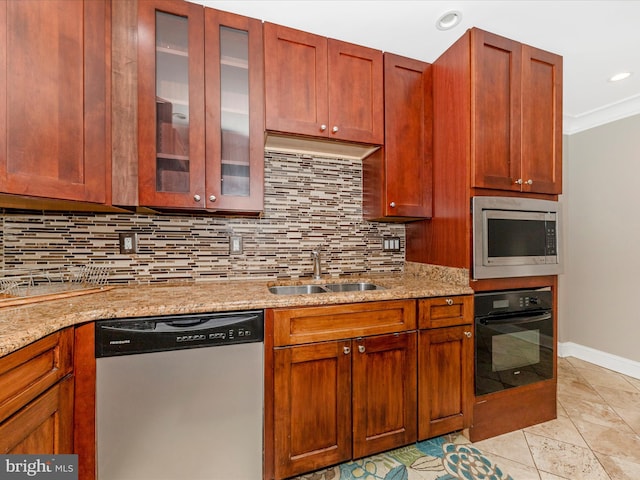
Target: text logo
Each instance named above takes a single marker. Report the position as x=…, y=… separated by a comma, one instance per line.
x=50, y=467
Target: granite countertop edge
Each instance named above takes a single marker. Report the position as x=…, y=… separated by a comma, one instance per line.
x=20, y=326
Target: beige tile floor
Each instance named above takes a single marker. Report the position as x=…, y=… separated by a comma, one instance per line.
x=595, y=437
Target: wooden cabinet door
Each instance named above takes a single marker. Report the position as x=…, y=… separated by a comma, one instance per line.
x=295, y=81
x=384, y=392
x=496, y=65
x=312, y=407
x=44, y=426
x=398, y=180
x=541, y=121
x=53, y=99
x=234, y=73
x=356, y=98
x=171, y=120
x=445, y=380
x=322, y=87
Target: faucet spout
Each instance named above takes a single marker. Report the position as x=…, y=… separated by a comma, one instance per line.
x=317, y=268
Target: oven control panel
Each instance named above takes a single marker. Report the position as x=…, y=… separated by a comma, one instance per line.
x=512, y=301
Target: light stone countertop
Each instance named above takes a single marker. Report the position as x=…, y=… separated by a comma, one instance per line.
x=20, y=326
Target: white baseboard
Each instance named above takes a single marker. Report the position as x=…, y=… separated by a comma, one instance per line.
x=603, y=359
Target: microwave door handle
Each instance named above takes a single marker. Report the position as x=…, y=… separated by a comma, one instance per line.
x=514, y=320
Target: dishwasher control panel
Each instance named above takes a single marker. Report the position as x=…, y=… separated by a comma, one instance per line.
x=127, y=336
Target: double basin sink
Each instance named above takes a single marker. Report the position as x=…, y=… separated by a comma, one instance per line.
x=327, y=288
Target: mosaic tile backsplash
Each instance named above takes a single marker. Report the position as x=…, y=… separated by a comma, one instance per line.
x=308, y=202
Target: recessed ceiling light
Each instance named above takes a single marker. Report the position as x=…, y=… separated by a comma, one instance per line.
x=449, y=20
x=620, y=76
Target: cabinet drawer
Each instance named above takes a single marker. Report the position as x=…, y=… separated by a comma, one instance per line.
x=28, y=372
x=294, y=326
x=445, y=311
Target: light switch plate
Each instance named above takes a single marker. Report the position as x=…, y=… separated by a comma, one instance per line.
x=390, y=244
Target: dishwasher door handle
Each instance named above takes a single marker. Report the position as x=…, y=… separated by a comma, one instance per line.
x=184, y=325
x=190, y=325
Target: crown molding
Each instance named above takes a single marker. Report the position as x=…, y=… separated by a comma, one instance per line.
x=609, y=113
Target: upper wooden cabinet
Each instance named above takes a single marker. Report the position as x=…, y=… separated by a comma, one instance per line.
x=322, y=87
x=53, y=99
x=516, y=115
x=201, y=117
x=497, y=130
x=397, y=179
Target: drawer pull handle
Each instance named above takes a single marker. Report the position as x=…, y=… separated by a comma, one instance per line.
x=467, y=334
x=346, y=350
x=449, y=301
x=361, y=348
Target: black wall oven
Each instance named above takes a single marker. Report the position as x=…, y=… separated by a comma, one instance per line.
x=514, y=341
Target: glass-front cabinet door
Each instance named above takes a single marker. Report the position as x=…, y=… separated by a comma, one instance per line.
x=200, y=81
x=171, y=157
x=234, y=71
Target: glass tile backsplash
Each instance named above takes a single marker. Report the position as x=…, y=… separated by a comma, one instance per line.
x=309, y=201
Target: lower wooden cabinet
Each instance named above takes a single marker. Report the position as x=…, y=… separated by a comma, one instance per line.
x=45, y=425
x=343, y=399
x=36, y=397
x=445, y=365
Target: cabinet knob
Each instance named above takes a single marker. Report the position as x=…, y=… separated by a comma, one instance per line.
x=392, y=204
x=449, y=301
x=518, y=181
x=346, y=350
x=335, y=129
x=323, y=127
x=362, y=348
x=467, y=334
x=212, y=198
x=196, y=197
x=529, y=182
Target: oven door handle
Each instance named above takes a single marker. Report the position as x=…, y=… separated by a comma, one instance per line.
x=514, y=320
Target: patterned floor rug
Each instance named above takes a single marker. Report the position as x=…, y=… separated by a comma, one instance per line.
x=450, y=457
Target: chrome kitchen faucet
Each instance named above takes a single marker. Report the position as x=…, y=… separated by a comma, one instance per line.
x=317, y=268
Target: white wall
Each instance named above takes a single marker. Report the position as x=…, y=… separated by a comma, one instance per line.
x=599, y=296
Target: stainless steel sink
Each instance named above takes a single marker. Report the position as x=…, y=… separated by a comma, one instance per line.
x=332, y=287
x=352, y=287
x=296, y=289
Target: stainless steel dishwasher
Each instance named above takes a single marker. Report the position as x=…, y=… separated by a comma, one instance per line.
x=180, y=397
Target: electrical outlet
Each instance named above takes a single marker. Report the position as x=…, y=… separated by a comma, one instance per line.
x=390, y=244
x=128, y=242
x=235, y=245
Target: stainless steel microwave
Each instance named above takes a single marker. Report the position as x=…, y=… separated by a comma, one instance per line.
x=516, y=237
